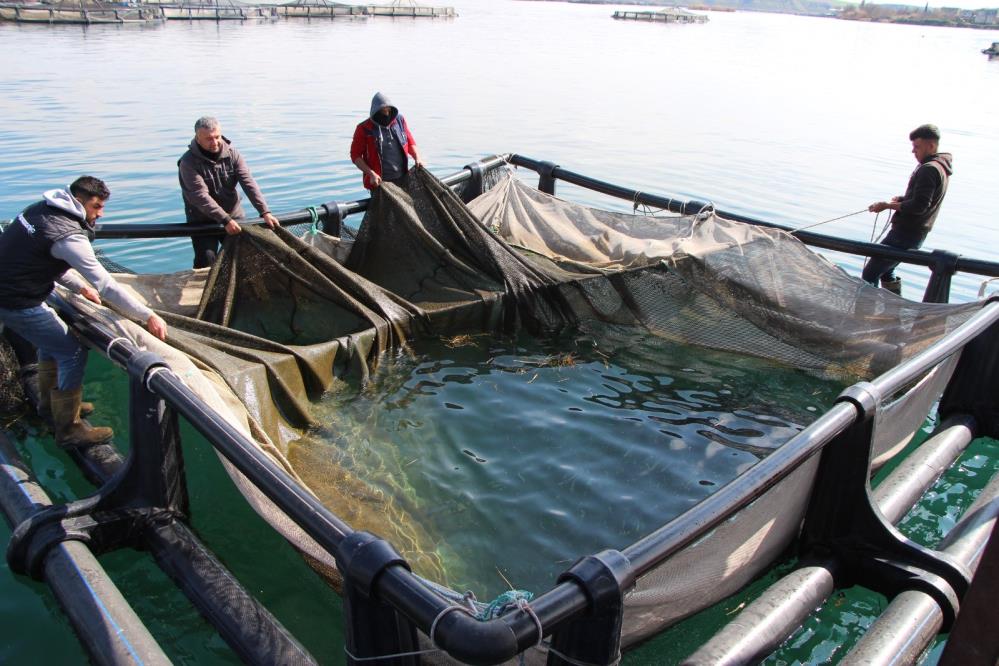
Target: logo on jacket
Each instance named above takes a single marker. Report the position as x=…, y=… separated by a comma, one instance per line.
x=26, y=224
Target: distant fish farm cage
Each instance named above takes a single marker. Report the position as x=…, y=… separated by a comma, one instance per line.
x=409, y=8
x=215, y=10
x=208, y=10
x=320, y=9
x=665, y=15
x=77, y=13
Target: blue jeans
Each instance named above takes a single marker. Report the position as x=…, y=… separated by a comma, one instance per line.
x=881, y=268
x=43, y=327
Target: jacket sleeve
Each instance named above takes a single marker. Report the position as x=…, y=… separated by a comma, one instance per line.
x=76, y=251
x=924, y=189
x=357, y=144
x=249, y=185
x=410, y=141
x=196, y=194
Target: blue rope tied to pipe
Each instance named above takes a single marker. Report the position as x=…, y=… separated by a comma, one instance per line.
x=314, y=214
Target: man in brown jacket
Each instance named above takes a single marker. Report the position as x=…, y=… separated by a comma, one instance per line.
x=209, y=172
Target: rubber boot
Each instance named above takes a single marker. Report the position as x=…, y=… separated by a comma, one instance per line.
x=69, y=429
x=893, y=284
x=48, y=376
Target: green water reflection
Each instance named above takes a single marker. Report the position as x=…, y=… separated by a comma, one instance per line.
x=498, y=462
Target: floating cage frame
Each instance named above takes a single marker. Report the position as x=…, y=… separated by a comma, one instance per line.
x=386, y=605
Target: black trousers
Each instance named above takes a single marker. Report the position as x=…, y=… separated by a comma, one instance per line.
x=205, y=249
x=880, y=268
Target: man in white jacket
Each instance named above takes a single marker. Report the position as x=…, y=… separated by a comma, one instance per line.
x=36, y=250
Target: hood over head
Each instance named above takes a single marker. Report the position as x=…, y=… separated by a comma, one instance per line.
x=65, y=201
x=946, y=160
x=377, y=102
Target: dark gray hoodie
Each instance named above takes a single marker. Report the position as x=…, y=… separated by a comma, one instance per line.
x=208, y=184
x=920, y=204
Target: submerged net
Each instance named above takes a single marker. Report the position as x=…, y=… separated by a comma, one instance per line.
x=281, y=325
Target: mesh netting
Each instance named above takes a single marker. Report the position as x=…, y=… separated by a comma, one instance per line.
x=11, y=393
x=281, y=319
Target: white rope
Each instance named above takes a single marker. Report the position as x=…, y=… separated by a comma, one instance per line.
x=526, y=607
x=985, y=284
x=575, y=662
x=107, y=350
x=158, y=368
x=809, y=226
x=883, y=229
x=440, y=616
x=433, y=632
x=389, y=656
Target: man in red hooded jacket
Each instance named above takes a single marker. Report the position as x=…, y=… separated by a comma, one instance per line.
x=383, y=144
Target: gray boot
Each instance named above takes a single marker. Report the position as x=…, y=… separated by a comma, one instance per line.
x=48, y=377
x=70, y=431
x=892, y=284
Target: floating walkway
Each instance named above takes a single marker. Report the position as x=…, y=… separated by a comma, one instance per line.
x=665, y=15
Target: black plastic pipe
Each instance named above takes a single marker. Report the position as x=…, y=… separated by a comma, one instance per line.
x=182, y=230
x=279, y=487
x=109, y=629
x=490, y=642
x=918, y=257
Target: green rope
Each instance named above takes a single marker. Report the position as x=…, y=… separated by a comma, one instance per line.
x=314, y=214
x=498, y=605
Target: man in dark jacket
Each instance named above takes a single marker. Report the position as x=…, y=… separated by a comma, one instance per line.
x=209, y=172
x=916, y=210
x=38, y=249
x=383, y=144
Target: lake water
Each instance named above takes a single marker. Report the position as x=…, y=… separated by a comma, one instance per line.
x=790, y=119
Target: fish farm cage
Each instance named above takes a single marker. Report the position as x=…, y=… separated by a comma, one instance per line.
x=811, y=493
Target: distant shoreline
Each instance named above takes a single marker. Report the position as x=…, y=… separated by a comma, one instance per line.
x=835, y=9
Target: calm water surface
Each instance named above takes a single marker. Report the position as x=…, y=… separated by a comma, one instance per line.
x=590, y=441
x=796, y=120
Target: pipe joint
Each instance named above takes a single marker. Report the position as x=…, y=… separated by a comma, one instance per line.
x=362, y=558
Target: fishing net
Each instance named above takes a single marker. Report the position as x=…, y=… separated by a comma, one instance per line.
x=283, y=320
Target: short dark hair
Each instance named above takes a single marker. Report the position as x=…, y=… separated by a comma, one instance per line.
x=925, y=132
x=88, y=186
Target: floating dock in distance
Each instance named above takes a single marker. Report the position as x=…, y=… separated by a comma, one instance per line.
x=665, y=15
x=409, y=8
x=77, y=13
x=318, y=9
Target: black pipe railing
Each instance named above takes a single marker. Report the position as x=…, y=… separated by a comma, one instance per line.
x=547, y=171
x=322, y=213
x=387, y=580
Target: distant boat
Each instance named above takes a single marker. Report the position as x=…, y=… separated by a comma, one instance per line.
x=992, y=51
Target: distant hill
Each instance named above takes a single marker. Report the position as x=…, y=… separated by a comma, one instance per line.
x=807, y=7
